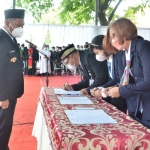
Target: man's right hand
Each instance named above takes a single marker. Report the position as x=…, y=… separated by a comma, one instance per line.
x=105, y=90
x=92, y=91
x=4, y=104
x=67, y=87
x=98, y=93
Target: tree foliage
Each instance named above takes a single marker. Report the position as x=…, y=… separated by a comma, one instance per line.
x=35, y=7
x=51, y=17
x=129, y=13
x=78, y=12
x=82, y=11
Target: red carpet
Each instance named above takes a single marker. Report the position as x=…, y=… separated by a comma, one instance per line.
x=21, y=138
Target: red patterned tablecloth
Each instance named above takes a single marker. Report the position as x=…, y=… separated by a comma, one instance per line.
x=127, y=134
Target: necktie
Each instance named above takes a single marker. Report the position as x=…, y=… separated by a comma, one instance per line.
x=109, y=68
x=125, y=77
x=15, y=41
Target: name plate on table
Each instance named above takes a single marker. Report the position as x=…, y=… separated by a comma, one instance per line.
x=89, y=117
x=74, y=100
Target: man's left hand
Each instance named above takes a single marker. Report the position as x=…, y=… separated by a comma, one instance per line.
x=4, y=104
x=93, y=91
x=114, y=92
x=84, y=91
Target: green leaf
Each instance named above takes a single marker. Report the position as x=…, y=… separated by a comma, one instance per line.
x=35, y=7
x=78, y=12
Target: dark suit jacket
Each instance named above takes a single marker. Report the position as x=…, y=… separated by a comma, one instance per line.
x=117, y=70
x=11, y=76
x=138, y=89
x=97, y=69
x=35, y=54
x=53, y=56
x=25, y=53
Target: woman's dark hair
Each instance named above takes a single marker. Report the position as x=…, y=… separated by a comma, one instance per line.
x=97, y=42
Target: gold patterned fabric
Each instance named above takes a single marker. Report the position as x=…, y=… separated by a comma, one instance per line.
x=127, y=134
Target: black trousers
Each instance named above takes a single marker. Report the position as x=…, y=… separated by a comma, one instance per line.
x=119, y=102
x=6, y=121
x=139, y=118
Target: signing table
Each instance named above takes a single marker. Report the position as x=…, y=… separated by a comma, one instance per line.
x=54, y=131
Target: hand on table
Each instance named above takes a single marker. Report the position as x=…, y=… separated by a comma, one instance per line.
x=67, y=87
x=4, y=104
x=114, y=92
x=105, y=91
x=84, y=91
x=93, y=91
x=96, y=92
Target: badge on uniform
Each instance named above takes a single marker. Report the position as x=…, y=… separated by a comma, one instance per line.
x=91, y=82
x=13, y=59
x=12, y=51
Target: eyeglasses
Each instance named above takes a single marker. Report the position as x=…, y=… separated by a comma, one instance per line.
x=65, y=61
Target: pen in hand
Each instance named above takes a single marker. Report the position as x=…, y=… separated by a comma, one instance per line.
x=65, y=86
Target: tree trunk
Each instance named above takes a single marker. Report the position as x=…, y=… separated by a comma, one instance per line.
x=102, y=19
x=101, y=14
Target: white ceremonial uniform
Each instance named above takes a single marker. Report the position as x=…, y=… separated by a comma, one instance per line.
x=43, y=61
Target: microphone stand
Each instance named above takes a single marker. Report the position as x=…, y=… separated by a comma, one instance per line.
x=47, y=59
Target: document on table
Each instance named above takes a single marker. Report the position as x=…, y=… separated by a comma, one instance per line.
x=74, y=100
x=61, y=91
x=89, y=117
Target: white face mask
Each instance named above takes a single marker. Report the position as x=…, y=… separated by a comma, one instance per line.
x=71, y=67
x=17, y=32
x=100, y=57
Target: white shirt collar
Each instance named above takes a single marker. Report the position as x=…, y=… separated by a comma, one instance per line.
x=127, y=53
x=110, y=58
x=7, y=32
